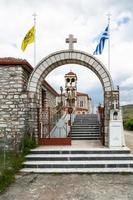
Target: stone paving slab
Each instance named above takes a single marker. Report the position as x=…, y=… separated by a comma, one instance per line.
x=72, y=186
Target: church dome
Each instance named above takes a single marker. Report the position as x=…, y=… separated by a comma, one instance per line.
x=71, y=73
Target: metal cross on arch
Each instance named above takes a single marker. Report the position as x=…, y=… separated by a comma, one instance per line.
x=71, y=40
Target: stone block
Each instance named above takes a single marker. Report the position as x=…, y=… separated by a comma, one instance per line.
x=3, y=125
x=23, y=96
x=12, y=106
x=16, y=96
x=91, y=61
x=4, y=106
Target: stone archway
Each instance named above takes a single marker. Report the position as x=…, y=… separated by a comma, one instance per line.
x=59, y=58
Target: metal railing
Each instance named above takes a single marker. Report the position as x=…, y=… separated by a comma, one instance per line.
x=100, y=113
x=49, y=118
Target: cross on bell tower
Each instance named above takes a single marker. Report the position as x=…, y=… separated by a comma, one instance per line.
x=71, y=40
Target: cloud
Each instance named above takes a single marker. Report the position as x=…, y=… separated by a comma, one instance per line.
x=123, y=20
x=85, y=19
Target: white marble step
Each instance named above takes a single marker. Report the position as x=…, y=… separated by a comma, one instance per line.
x=77, y=155
x=85, y=138
x=70, y=149
x=69, y=162
x=78, y=170
x=84, y=135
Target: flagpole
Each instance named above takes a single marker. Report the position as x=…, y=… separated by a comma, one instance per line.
x=109, y=40
x=34, y=18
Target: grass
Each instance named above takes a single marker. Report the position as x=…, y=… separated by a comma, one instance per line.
x=8, y=167
x=6, y=178
x=11, y=162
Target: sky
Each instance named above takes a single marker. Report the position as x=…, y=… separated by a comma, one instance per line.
x=86, y=20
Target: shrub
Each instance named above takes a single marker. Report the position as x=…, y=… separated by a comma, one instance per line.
x=17, y=162
x=128, y=124
x=28, y=143
x=14, y=161
x=6, y=178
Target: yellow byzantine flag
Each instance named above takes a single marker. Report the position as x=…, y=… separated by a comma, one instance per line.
x=29, y=38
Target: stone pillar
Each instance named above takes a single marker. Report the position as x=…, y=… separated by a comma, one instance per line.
x=33, y=117
x=109, y=98
x=107, y=107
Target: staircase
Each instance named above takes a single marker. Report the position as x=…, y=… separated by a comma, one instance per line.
x=80, y=158
x=85, y=127
x=100, y=160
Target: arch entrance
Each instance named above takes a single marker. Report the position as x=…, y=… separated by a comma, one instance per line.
x=71, y=56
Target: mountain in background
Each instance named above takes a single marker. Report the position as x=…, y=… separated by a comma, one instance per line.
x=127, y=112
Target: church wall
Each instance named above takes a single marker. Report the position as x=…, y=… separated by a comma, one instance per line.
x=13, y=99
x=51, y=99
x=85, y=102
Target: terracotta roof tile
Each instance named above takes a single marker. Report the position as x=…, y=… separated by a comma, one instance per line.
x=70, y=73
x=51, y=89
x=16, y=61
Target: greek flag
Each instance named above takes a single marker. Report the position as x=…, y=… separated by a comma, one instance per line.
x=101, y=44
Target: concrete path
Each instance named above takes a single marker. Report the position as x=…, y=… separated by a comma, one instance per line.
x=73, y=186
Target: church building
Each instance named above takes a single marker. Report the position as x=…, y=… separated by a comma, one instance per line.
x=80, y=102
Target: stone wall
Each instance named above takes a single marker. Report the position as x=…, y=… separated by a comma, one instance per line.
x=13, y=99
x=46, y=111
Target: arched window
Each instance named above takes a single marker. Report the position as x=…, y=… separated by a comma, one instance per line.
x=81, y=103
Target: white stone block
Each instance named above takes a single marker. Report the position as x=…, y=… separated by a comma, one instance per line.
x=41, y=67
x=83, y=57
x=66, y=55
x=106, y=79
x=45, y=64
x=33, y=85
x=73, y=55
x=57, y=57
x=62, y=56
x=101, y=71
x=98, y=67
x=78, y=55
x=107, y=84
x=39, y=71
x=36, y=75
x=94, y=64
x=49, y=61
x=115, y=133
x=91, y=61
x=104, y=75
x=107, y=89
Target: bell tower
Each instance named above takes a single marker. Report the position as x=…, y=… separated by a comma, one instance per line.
x=71, y=90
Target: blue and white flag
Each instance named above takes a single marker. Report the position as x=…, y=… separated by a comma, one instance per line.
x=101, y=44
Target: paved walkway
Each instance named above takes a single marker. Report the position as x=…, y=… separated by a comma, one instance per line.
x=77, y=144
x=73, y=186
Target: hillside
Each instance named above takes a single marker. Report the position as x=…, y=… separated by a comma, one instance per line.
x=127, y=111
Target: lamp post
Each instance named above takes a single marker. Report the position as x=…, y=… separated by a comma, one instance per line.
x=61, y=89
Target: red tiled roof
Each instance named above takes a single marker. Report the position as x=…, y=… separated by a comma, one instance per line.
x=81, y=94
x=16, y=61
x=81, y=109
x=48, y=87
x=78, y=94
x=70, y=73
